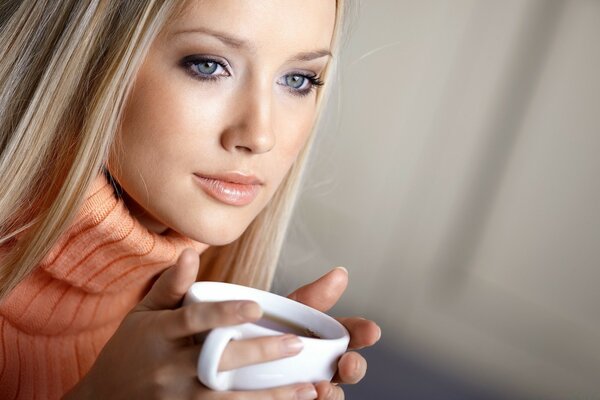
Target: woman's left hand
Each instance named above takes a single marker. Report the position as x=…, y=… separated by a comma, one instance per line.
x=323, y=294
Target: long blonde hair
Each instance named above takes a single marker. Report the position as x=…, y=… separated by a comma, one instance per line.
x=66, y=70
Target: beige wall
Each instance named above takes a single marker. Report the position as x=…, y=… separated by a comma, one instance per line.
x=457, y=180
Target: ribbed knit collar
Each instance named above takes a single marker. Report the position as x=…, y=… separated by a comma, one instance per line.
x=106, y=248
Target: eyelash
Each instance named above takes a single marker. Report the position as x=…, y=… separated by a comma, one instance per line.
x=188, y=62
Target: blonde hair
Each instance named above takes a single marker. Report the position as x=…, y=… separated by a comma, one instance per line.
x=66, y=70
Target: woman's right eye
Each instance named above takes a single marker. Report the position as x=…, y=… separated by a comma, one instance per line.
x=205, y=68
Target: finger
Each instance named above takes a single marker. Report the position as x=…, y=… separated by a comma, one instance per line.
x=202, y=316
x=363, y=332
x=329, y=391
x=301, y=391
x=170, y=287
x=323, y=293
x=240, y=353
x=352, y=367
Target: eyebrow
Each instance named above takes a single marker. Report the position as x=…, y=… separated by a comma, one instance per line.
x=243, y=44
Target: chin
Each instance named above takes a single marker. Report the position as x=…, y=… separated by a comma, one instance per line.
x=214, y=235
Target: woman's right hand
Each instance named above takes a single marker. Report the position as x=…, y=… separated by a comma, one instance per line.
x=152, y=355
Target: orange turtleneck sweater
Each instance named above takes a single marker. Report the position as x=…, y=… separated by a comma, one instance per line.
x=54, y=323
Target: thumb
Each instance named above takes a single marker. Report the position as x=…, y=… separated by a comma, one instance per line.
x=172, y=284
x=325, y=292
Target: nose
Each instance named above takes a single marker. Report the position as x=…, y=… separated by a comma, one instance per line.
x=251, y=129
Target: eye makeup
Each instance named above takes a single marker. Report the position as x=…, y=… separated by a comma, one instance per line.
x=204, y=67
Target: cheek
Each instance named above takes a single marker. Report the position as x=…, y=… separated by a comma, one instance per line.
x=165, y=124
x=295, y=130
x=149, y=122
x=143, y=130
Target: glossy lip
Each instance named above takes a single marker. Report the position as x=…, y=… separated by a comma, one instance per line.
x=231, y=188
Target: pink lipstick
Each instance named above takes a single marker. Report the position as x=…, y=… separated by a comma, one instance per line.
x=231, y=188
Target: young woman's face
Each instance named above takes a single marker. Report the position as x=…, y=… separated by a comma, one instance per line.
x=221, y=107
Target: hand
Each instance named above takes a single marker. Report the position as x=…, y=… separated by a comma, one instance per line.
x=323, y=294
x=152, y=355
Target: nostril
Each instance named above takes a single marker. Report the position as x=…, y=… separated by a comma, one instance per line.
x=244, y=148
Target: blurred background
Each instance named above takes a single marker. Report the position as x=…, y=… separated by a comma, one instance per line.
x=456, y=178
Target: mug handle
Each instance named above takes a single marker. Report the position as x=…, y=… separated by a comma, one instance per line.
x=210, y=356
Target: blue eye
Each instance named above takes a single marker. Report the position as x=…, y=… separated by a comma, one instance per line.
x=295, y=81
x=205, y=68
x=301, y=84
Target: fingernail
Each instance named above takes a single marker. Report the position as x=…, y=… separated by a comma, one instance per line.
x=306, y=393
x=291, y=345
x=357, y=368
x=343, y=269
x=249, y=310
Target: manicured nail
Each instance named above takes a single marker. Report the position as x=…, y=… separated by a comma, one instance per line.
x=306, y=393
x=291, y=345
x=249, y=310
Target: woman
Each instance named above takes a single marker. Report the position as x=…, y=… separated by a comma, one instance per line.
x=136, y=135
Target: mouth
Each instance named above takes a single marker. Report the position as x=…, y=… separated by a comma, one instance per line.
x=231, y=188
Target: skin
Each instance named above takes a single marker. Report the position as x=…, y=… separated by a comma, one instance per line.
x=248, y=120
x=245, y=120
x=161, y=362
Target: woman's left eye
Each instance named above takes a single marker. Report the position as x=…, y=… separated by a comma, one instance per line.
x=301, y=84
x=296, y=81
x=205, y=68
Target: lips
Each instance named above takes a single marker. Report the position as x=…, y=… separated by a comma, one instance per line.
x=232, y=188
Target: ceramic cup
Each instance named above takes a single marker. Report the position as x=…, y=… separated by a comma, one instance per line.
x=324, y=338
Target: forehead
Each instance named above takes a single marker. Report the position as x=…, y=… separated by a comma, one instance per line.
x=291, y=25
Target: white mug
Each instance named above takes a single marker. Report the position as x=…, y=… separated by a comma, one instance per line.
x=317, y=361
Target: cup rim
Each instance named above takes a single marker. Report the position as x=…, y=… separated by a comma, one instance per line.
x=196, y=286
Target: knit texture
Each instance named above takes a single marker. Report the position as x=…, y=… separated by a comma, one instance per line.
x=55, y=322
